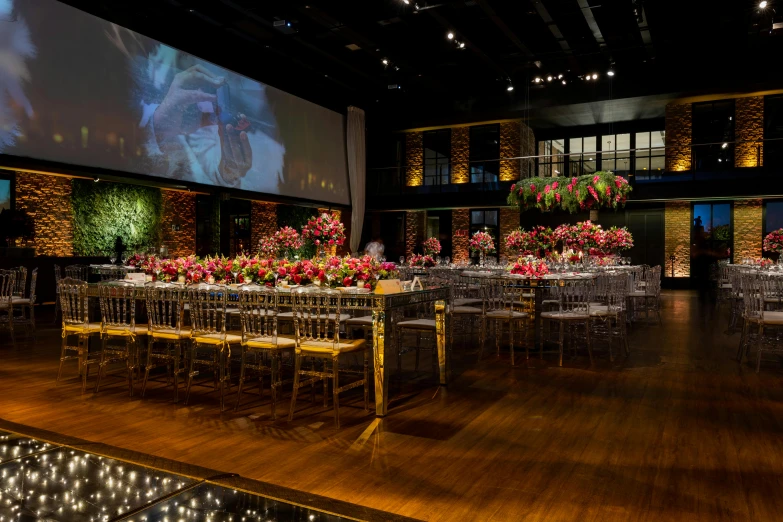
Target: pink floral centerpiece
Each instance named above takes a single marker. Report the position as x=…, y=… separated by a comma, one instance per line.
x=536, y=268
x=287, y=240
x=538, y=242
x=423, y=261
x=431, y=246
x=773, y=242
x=324, y=230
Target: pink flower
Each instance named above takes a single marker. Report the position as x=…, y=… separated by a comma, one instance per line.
x=596, y=179
x=297, y=279
x=281, y=271
x=554, y=185
x=347, y=281
x=547, y=189
x=538, y=198
x=532, y=188
x=557, y=197
x=261, y=273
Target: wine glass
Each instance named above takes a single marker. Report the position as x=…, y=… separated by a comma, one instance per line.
x=402, y=260
x=112, y=258
x=235, y=273
x=437, y=259
x=124, y=258
x=448, y=260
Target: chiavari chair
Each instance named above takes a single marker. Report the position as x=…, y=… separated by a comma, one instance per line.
x=76, y=322
x=260, y=340
x=57, y=277
x=210, y=339
x=27, y=304
x=770, y=322
x=574, y=298
x=20, y=282
x=753, y=304
x=118, y=315
x=317, y=325
x=77, y=272
x=608, y=314
x=165, y=312
x=7, y=278
x=106, y=273
x=502, y=296
x=647, y=299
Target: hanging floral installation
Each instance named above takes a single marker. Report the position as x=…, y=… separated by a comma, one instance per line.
x=591, y=191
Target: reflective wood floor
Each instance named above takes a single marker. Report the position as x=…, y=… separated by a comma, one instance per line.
x=676, y=431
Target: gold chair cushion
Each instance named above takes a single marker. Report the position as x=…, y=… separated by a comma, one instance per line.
x=80, y=328
x=170, y=333
x=269, y=342
x=506, y=314
x=345, y=346
x=139, y=329
x=418, y=324
x=217, y=338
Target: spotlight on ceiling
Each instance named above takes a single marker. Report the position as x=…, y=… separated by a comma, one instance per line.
x=595, y=76
x=537, y=80
x=564, y=82
x=559, y=76
x=462, y=45
x=549, y=78
x=724, y=146
x=763, y=4
x=587, y=77
x=610, y=72
x=450, y=36
x=510, y=88
x=96, y=180
x=406, y=2
x=385, y=61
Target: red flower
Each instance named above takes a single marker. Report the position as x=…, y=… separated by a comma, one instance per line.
x=261, y=273
x=281, y=271
x=297, y=279
x=347, y=281
x=532, y=188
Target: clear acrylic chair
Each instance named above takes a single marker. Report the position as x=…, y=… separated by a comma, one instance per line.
x=770, y=322
x=573, y=310
x=26, y=305
x=79, y=272
x=111, y=273
x=7, y=280
x=317, y=319
x=20, y=282
x=211, y=342
x=753, y=305
x=118, y=323
x=166, y=336
x=260, y=340
x=57, y=277
x=502, y=297
x=76, y=322
x=608, y=317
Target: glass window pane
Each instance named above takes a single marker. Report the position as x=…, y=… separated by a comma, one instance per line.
x=558, y=146
x=608, y=142
x=702, y=216
x=774, y=216
x=721, y=215
x=588, y=167
x=491, y=217
x=642, y=166
x=589, y=146
x=476, y=217
x=657, y=139
x=623, y=142
x=657, y=163
x=642, y=142
x=575, y=145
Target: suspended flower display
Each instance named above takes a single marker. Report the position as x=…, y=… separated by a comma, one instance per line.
x=591, y=191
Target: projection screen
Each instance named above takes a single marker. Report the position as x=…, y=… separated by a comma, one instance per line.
x=77, y=89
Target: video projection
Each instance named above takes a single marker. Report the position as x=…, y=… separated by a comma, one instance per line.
x=77, y=89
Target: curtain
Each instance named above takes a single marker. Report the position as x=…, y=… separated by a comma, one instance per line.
x=357, y=173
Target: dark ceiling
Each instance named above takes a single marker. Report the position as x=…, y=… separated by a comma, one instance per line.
x=332, y=53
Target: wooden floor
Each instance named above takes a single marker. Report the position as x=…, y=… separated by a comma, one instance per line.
x=676, y=431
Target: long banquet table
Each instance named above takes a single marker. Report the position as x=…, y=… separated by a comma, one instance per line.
x=381, y=306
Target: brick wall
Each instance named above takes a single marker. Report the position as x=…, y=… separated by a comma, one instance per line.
x=460, y=228
x=263, y=222
x=516, y=140
x=509, y=221
x=47, y=200
x=415, y=228
x=747, y=229
x=677, y=221
x=179, y=211
x=414, y=159
x=678, y=137
x=460, y=154
x=749, y=132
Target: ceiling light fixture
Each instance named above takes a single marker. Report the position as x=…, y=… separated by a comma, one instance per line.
x=564, y=82
x=595, y=76
x=559, y=76
x=549, y=78
x=462, y=45
x=763, y=4
x=450, y=36
x=724, y=146
x=510, y=88
x=385, y=61
x=610, y=72
x=537, y=80
x=406, y=2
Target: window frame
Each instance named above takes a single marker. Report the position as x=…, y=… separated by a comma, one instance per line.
x=440, y=177
x=482, y=162
x=712, y=242
x=708, y=149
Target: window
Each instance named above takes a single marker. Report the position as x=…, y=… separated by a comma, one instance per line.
x=582, y=155
x=616, y=155
x=773, y=131
x=433, y=226
x=484, y=153
x=650, y=154
x=713, y=135
x=773, y=216
x=437, y=155
x=551, y=154
x=712, y=231
x=487, y=221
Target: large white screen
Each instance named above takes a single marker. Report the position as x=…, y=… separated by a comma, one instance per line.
x=77, y=89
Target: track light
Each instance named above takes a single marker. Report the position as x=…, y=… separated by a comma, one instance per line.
x=610, y=72
x=462, y=45
x=450, y=36
x=510, y=88
x=549, y=78
x=564, y=82
x=559, y=76
x=595, y=76
x=385, y=61
x=537, y=80
x=763, y=4
x=406, y=2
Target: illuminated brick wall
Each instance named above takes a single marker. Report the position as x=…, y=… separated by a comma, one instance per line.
x=749, y=132
x=415, y=221
x=748, y=222
x=516, y=140
x=679, y=125
x=509, y=221
x=263, y=222
x=47, y=200
x=460, y=155
x=677, y=218
x=460, y=229
x=178, y=222
x=414, y=159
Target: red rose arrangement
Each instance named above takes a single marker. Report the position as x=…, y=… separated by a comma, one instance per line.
x=424, y=261
x=482, y=243
x=773, y=242
x=535, y=268
x=324, y=230
x=431, y=246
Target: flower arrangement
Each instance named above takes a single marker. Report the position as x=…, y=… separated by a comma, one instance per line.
x=424, y=261
x=602, y=189
x=764, y=262
x=287, y=240
x=482, y=243
x=773, y=242
x=539, y=242
x=581, y=237
x=431, y=246
x=267, y=247
x=618, y=239
x=530, y=268
x=324, y=230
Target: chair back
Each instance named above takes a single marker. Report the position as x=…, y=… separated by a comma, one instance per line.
x=258, y=312
x=74, y=302
x=208, y=308
x=752, y=294
x=118, y=305
x=652, y=278
x=164, y=306
x=503, y=293
x=57, y=276
x=7, y=278
x=616, y=289
x=576, y=295
x=33, y=281
x=77, y=272
x=316, y=314
x=111, y=273
x=20, y=281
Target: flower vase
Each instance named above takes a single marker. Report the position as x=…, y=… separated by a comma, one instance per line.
x=482, y=259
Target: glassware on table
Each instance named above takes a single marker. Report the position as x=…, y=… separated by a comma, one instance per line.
x=437, y=259
x=448, y=260
x=402, y=260
x=112, y=259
